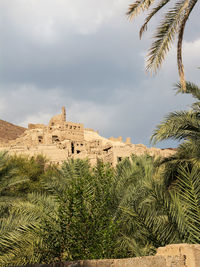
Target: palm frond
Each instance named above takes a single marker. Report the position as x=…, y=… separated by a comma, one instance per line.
x=160, y=5
x=178, y=125
x=165, y=34
x=191, y=88
x=190, y=194
x=138, y=6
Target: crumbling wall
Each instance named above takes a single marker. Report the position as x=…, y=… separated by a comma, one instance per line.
x=178, y=255
x=36, y=126
x=74, y=131
x=116, y=139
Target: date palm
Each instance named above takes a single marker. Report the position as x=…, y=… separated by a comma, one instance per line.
x=164, y=217
x=172, y=25
x=181, y=126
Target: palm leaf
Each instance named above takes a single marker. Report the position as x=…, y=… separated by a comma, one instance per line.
x=160, y=5
x=165, y=34
x=138, y=6
x=191, y=88
x=190, y=194
x=178, y=125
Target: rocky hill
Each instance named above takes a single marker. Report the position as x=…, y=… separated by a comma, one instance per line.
x=9, y=131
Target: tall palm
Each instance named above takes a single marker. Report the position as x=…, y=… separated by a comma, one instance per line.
x=172, y=25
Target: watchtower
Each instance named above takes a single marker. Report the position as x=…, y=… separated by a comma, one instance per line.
x=63, y=114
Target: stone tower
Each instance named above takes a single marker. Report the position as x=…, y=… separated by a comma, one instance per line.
x=63, y=114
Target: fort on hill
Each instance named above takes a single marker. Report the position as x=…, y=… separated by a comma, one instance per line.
x=61, y=140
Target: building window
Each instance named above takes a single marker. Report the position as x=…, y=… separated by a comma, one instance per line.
x=55, y=138
x=40, y=139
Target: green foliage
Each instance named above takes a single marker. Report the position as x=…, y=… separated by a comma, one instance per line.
x=161, y=217
x=19, y=215
x=19, y=229
x=85, y=227
x=72, y=220
x=182, y=126
x=26, y=175
x=84, y=212
x=189, y=191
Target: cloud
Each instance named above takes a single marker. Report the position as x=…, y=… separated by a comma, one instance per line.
x=44, y=21
x=86, y=56
x=42, y=105
x=192, y=59
x=83, y=65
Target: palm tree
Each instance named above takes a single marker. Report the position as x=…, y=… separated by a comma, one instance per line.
x=130, y=193
x=181, y=126
x=162, y=217
x=173, y=24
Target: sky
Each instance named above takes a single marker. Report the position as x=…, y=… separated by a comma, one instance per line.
x=87, y=56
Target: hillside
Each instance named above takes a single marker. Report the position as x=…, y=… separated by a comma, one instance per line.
x=9, y=131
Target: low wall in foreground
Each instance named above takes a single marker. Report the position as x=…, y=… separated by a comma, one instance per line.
x=179, y=255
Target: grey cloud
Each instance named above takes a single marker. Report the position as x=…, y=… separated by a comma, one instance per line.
x=92, y=64
x=98, y=76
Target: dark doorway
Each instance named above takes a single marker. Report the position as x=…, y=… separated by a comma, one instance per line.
x=119, y=159
x=72, y=147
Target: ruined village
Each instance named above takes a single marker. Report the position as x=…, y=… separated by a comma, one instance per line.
x=61, y=140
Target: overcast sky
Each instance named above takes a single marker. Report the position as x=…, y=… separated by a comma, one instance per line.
x=85, y=55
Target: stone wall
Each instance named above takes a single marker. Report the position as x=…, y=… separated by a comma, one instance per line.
x=178, y=255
